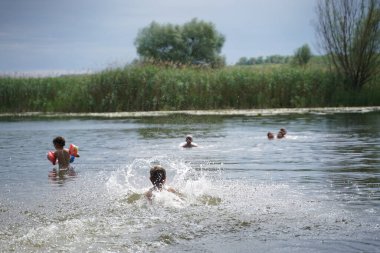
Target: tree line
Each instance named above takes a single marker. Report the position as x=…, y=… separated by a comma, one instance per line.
x=272, y=59
x=301, y=57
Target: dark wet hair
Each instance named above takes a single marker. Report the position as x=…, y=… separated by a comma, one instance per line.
x=157, y=176
x=59, y=141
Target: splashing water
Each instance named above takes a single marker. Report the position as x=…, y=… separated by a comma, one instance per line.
x=109, y=212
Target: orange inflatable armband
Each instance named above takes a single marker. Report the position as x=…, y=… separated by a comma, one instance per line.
x=73, y=150
x=51, y=157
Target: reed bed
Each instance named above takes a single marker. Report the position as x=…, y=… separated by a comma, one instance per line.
x=155, y=88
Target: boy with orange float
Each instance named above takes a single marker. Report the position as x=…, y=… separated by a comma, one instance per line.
x=63, y=156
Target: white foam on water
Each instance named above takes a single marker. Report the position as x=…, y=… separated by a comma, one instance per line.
x=108, y=212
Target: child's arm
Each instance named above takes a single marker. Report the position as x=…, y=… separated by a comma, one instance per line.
x=172, y=190
x=149, y=195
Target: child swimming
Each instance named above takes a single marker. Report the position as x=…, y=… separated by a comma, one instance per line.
x=270, y=136
x=281, y=134
x=189, y=142
x=158, y=179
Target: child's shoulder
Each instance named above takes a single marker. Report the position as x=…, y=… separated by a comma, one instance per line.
x=61, y=151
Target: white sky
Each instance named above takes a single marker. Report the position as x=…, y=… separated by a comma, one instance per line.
x=85, y=35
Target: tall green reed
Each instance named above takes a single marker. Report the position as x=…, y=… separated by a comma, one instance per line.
x=152, y=87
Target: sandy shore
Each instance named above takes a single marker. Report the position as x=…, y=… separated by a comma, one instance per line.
x=249, y=112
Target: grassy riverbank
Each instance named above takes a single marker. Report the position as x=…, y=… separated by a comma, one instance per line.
x=156, y=88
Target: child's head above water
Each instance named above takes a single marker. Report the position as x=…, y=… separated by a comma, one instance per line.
x=189, y=139
x=158, y=176
x=280, y=135
x=59, y=142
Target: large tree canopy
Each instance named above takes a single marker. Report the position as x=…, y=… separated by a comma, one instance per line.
x=349, y=32
x=195, y=42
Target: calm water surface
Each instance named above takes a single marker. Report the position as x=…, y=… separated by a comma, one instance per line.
x=317, y=190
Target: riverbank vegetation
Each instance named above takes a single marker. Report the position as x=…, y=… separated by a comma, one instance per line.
x=149, y=87
x=180, y=68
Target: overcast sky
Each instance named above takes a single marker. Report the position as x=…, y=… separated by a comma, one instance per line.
x=86, y=35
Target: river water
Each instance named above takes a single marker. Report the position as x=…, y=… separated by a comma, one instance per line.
x=317, y=190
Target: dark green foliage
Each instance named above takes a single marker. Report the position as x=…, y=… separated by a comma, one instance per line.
x=152, y=87
x=272, y=59
x=42, y=94
x=196, y=42
x=302, y=55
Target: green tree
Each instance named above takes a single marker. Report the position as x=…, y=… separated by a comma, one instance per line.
x=251, y=61
x=275, y=59
x=260, y=60
x=159, y=42
x=349, y=33
x=242, y=61
x=195, y=42
x=302, y=55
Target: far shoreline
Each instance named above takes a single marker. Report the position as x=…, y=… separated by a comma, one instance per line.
x=226, y=112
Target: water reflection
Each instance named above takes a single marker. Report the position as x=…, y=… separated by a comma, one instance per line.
x=179, y=125
x=61, y=180
x=354, y=151
x=182, y=119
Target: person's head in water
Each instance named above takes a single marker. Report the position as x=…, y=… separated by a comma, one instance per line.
x=158, y=176
x=189, y=139
x=270, y=135
x=189, y=142
x=283, y=131
x=59, y=142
